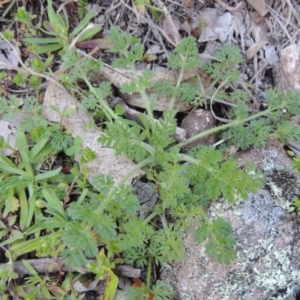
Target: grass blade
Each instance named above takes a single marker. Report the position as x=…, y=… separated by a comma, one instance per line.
x=6, y=161
x=53, y=202
x=40, y=40
x=89, y=33
x=9, y=202
x=13, y=170
x=83, y=23
x=31, y=210
x=23, y=209
x=49, y=48
x=35, y=151
x=48, y=174
x=29, y=267
x=24, y=152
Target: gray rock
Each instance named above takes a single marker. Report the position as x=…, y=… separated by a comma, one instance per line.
x=267, y=247
x=199, y=121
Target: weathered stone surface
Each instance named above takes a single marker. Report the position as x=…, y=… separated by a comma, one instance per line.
x=268, y=245
x=267, y=158
x=287, y=72
x=199, y=121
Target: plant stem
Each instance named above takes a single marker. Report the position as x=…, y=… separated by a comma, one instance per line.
x=151, y=216
x=124, y=179
x=225, y=126
x=149, y=268
x=144, y=95
x=182, y=70
x=187, y=158
x=104, y=106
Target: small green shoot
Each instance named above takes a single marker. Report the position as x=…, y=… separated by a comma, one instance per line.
x=24, y=16
x=58, y=27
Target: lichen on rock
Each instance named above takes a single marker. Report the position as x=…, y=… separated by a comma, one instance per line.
x=267, y=248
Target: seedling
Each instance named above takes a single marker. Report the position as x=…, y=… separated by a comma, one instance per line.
x=58, y=26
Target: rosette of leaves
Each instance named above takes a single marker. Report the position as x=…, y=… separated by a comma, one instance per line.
x=58, y=27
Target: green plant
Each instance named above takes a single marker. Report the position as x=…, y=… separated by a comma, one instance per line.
x=295, y=205
x=3, y=79
x=38, y=65
x=58, y=26
x=31, y=192
x=296, y=163
x=81, y=8
x=20, y=79
x=8, y=34
x=107, y=214
x=3, y=75
x=141, y=5
x=21, y=179
x=32, y=121
x=23, y=183
x=35, y=285
x=24, y=16
x=187, y=183
x=26, y=194
x=6, y=274
x=102, y=268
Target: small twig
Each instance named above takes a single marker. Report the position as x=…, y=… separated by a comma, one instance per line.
x=211, y=102
x=170, y=20
x=75, y=39
x=134, y=10
x=62, y=6
x=241, y=32
x=241, y=82
x=157, y=33
x=284, y=27
x=230, y=8
x=113, y=8
x=53, y=265
x=220, y=101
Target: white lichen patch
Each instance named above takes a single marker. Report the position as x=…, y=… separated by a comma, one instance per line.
x=267, y=252
x=273, y=277
x=261, y=266
x=262, y=211
x=277, y=196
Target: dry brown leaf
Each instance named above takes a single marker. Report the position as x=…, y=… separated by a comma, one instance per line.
x=254, y=48
x=118, y=77
x=3, y=2
x=260, y=31
x=106, y=162
x=56, y=290
x=87, y=286
x=137, y=283
x=171, y=28
x=150, y=57
x=260, y=6
x=91, y=44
